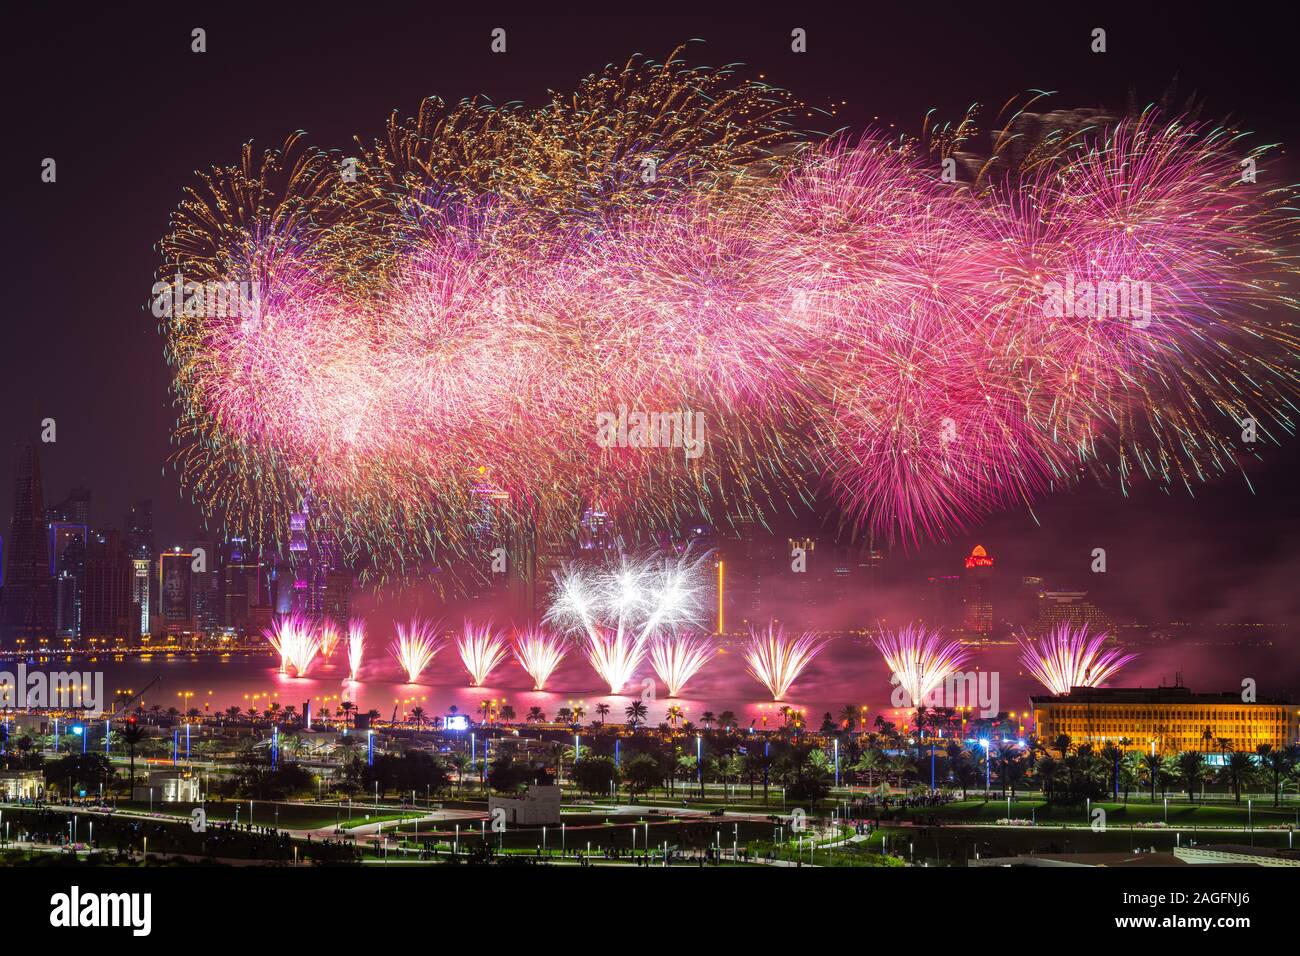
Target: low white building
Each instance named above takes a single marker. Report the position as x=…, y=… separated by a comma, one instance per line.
x=169, y=786
x=21, y=784
x=538, y=806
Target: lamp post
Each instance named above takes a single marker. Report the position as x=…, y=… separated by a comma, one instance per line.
x=699, y=762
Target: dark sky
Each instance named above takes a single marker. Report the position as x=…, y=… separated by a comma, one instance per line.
x=129, y=113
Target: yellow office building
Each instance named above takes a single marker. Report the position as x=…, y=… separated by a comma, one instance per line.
x=1165, y=719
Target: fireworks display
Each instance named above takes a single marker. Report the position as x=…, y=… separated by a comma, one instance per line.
x=329, y=639
x=481, y=650
x=1068, y=656
x=614, y=655
x=415, y=647
x=776, y=660
x=296, y=642
x=539, y=653
x=677, y=658
x=620, y=609
x=356, y=646
x=919, y=660
x=493, y=284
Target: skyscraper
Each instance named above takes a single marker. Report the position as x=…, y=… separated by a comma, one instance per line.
x=978, y=619
x=140, y=549
x=107, y=607
x=28, y=605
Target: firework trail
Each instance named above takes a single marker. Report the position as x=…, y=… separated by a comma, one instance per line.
x=1068, y=656
x=919, y=660
x=776, y=660
x=539, y=653
x=481, y=650
x=415, y=647
x=329, y=639
x=1113, y=308
x=615, y=656
x=356, y=646
x=297, y=645
x=678, y=658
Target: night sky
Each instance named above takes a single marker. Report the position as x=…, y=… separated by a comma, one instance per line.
x=129, y=113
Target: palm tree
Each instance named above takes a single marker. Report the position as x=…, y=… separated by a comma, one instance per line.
x=1129, y=770
x=636, y=712
x=1151, y=763
x=1191, y=768
x=507, y=713
x=133, y=735
x=602, y=711
x=418, y=716
x=460, y=761
x=674, y=714
x=1062, y=745
x=869, y=761
x=535, y=715
x=727, y=719
x=848, y=716
x=1239, y=769
x=707, y=718
x=1278, y=763
x=348, y=708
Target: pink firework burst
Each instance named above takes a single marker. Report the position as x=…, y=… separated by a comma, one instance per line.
x=481, y=650
x=1068, y=656
x=776, y=660
x=676, y=658
x=416, y=645
x=539, y=653
x=919, y=660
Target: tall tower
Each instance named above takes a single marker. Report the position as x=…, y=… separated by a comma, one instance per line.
x=28, y=608
x=978, y=619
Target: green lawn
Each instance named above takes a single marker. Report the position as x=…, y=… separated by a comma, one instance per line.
x=1138, y=810
x=298, y=816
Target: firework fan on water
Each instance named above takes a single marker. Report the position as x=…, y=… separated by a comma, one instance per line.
x=356, y=646
x=776, y=660
x=919, y=660
x=539, y=653
x=619, y=610
x=416, y=646
x=677, y=658
x=1069, y=656
x=459, y=315
x=481, y=650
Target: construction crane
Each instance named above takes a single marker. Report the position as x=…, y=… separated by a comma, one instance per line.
x=127, y=703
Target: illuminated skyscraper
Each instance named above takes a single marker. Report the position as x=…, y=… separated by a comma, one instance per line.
x=140, y=549
x=174, y=591
x=977, y=619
